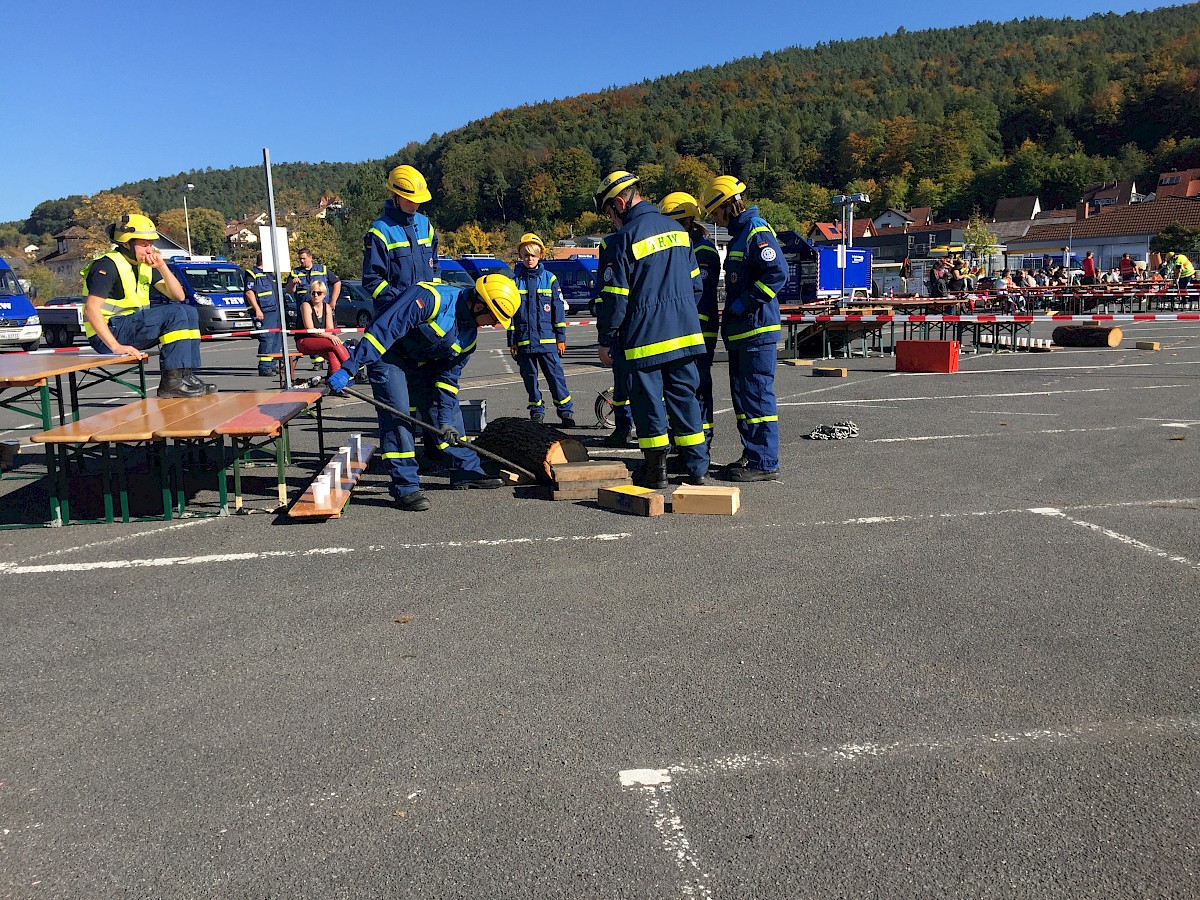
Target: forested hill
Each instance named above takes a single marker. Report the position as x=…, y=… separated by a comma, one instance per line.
x=949, y=118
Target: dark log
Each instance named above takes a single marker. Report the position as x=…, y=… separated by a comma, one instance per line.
x=531, y=445
x=1087, y=336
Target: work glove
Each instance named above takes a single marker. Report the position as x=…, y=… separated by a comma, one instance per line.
x=339, y=380
x=512, y=351
x=737, y=309
x=562, y=347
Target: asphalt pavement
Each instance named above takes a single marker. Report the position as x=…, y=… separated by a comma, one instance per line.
x=952, y=657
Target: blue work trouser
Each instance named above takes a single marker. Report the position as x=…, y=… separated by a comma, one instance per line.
x=752, y=383
x=440, y=407
x=271, y=342
x=529, y=363
x=173, y=327
x=704, y=363
x=389, y=385
x=622, y=388
x=664, y=398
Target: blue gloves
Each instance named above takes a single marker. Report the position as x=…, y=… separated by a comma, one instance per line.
x=737, y=308
x=340, y=379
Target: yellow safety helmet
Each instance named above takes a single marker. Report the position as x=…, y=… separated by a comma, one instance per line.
x=132, y=226
x=500, y=295
x=680, y=205
x=612, y=185
x=407, y=182
x=530, y=238
x=723, y=187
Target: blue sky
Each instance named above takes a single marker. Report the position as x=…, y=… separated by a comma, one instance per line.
x=95, y=95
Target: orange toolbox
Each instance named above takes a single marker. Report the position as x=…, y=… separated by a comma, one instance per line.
x=927, y=356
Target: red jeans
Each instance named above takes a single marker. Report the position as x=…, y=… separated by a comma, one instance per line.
x=319, y=345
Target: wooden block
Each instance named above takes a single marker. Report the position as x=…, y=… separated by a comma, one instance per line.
x=829, y=372
x=585, y=490
x=594, y=470
x=795, y=362
x=513, y=478
x=637, y=501
x=1147, y=345
x=706, y=500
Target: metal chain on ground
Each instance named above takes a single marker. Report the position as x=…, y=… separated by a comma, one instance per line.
x=838, y=431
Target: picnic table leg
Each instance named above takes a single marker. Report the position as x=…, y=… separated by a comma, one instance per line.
x=180, y=487
x=58, y=396
x=222, y=475
x=74, y=383
x=106, y=480
x=122, y=483
x=164, y=479
x=320, y=429
x=280, y=473
x=239, y=450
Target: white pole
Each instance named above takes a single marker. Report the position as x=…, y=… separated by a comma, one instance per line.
x=187, y=222
x=283, y=361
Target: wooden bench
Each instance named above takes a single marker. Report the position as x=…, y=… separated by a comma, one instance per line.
x=252, y=421
x=306, y=506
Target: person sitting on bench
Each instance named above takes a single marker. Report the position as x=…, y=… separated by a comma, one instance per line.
x=120, y=319
x=317, y=315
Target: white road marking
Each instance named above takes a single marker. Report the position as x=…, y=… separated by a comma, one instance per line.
x=1080, y=369
x=994, y=412
x=948, y=437
x=1142, y=387
x=164, y=561
x=654, y=787
x=1052, y=512
x=127, y=537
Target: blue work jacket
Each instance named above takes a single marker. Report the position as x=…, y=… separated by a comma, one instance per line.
x=263, y=285
x=755, y=271
x=649, y=287
x=430, y=323
x=399, y=250
x=540, y=322
x=709, y=261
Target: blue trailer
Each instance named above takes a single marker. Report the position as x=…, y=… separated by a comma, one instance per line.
x=814, y=273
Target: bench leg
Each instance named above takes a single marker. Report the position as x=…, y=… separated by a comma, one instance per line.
x=280, y=471
x=107, y=479
x=239, y=450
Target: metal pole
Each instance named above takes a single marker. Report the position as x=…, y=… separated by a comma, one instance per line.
x=187, y=222
x=283, y=360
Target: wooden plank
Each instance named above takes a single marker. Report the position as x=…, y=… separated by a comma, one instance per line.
x=267, y=417
x=795, y=362
x=829, y=372
x=25, y=367
x=206, y=414
x=593, y=470
x=306, y=508
x=83, y=431
x=582, y=490
x=513, y=478
x=637, y=501
x=1147, y=345
x=706, y=500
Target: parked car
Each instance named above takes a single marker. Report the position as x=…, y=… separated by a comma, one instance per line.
x=19, y=321
x=216, y=287
x=355, y=307
x=577, y=277
x=477, y=265
x=454, y=273
x=62, y=320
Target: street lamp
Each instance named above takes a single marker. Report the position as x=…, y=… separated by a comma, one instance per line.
x=187, y=222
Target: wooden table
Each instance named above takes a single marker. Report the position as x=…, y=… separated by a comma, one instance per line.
x=40, y=375
x=189, y=427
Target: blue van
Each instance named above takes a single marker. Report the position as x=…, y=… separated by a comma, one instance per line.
x=216, y=287
x=577, y=277
x=19, y=321
x=454, y=273
x=477, y=265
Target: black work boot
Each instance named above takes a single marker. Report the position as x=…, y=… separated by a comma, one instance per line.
x=652, y=473
x=414, y=502
x=190, y=379
x=617, y=439
x=172, y=386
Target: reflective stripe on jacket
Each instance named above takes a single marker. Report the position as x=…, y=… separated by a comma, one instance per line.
x=755, y=272
x=399, y=250
x=540, y=322
x=649, y=286
x=420, y=326
x=135, y=286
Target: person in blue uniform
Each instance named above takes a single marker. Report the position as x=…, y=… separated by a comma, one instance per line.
x=400, y=249
x=683, y=208
x=537, y=335
x=260, y=297
x=650, y=282
x=427, y=335
x=755, y=272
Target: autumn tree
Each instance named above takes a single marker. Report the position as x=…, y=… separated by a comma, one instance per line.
x=95, y=213
x=207, y=229
x=470, y=238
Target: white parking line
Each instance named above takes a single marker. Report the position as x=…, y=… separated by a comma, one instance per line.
x=654, y=786
x=948, y=437
x=127, y=537
x=1125, y=539
x=1136, y=387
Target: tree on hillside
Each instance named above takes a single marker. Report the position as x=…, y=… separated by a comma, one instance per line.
x=95, y=213
x=470, y=238
x=207, y=228
x=979, y=242
x=52, y=216
x=1178, y=237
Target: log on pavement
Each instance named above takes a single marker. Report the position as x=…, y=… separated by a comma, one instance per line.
x=1087, y=336
x=531, y=445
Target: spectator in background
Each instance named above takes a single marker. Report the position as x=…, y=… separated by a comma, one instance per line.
x=317, y=316
x=1126, y=268
x=1089, y=269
